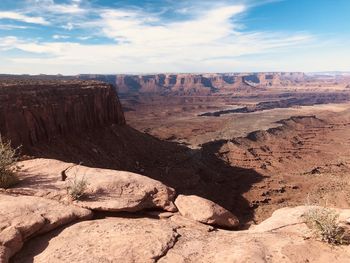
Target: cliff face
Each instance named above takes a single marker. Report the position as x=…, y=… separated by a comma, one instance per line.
x=180, y=84
x=197, y=84
x=33, y=111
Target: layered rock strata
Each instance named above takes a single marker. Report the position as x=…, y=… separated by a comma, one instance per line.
x=33, y=111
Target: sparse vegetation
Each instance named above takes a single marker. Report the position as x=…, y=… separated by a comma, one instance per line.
x=76, y=188
x=8, y=168
x=325, y=224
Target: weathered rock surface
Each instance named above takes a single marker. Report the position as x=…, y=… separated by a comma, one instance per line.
x=205, y=211
x=110, y=240
x=271, y=241
x=292, y=216
x=107, y=190
x=33, y=111
x=178, y=239
x=22, y=217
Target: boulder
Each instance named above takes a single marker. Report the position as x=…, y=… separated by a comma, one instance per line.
x=22, y=217
x=205, y=211
x=107, y=190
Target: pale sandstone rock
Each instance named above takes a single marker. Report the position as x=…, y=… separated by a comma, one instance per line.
x=205, y=211
x=246, y=247
x=282, y=219
x=159, y=214
x=178, y=239
x=22, y=217
x=108, y=190
x=109, y=240
x=272, y=242
x=287, y=217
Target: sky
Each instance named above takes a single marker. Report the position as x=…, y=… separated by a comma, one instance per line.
x=151, y=36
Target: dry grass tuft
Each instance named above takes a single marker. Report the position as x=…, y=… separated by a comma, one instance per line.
x=76, y=188
x=325, y=224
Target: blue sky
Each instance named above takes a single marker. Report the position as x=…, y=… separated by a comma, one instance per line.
x=133, y=36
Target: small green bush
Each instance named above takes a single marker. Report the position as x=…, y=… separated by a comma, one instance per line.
x=325, y=224
x=76, y=188
x=8, y=168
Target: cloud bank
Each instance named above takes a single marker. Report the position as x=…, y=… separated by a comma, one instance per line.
x=86, y=38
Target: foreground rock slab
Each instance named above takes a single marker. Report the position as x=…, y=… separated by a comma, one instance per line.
x=22, y=217
x=178, y=239
x=107, y=190
x=205, y=211
x=109, y=240
x=282, y=238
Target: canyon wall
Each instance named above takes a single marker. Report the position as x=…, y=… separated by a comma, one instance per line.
x=198, y=84
x=33, y=111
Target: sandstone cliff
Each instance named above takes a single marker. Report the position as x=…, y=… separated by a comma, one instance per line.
x=194, y=84
x=32, y=111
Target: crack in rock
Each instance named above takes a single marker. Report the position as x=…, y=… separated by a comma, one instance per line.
x=169, y=246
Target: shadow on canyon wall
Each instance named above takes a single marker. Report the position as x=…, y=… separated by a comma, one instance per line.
x=198, y=172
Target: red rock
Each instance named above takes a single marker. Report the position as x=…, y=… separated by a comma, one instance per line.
x=32, y=111
x=195, y=84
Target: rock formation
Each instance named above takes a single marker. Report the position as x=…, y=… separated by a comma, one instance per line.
x=22, y=217
x=205, y=211
x=107, y=190
x=280, y=238
x=33, y=111
x=194, y=84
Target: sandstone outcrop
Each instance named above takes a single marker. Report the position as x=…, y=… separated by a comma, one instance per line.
x=107, y=190
x=22, y=217
x=180, y=240
x=288, y=217
x=205, y=211
x=194, y=84
x=33, y=111
x=111, y=240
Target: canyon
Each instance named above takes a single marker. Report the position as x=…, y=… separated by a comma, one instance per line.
x=194, y=84
x=180, y=167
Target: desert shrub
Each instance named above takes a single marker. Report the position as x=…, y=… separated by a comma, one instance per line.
x=76, y=188
x=325, y=224
x=8, y=168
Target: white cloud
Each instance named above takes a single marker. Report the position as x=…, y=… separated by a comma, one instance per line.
x=23, y=18
x=69, y=26
x=84, y=37
x=211, y=40
x=60, y=37
x=66, y=9
x=7, y=43
x=11, y=27
x=50, y=6
x=135, y=27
